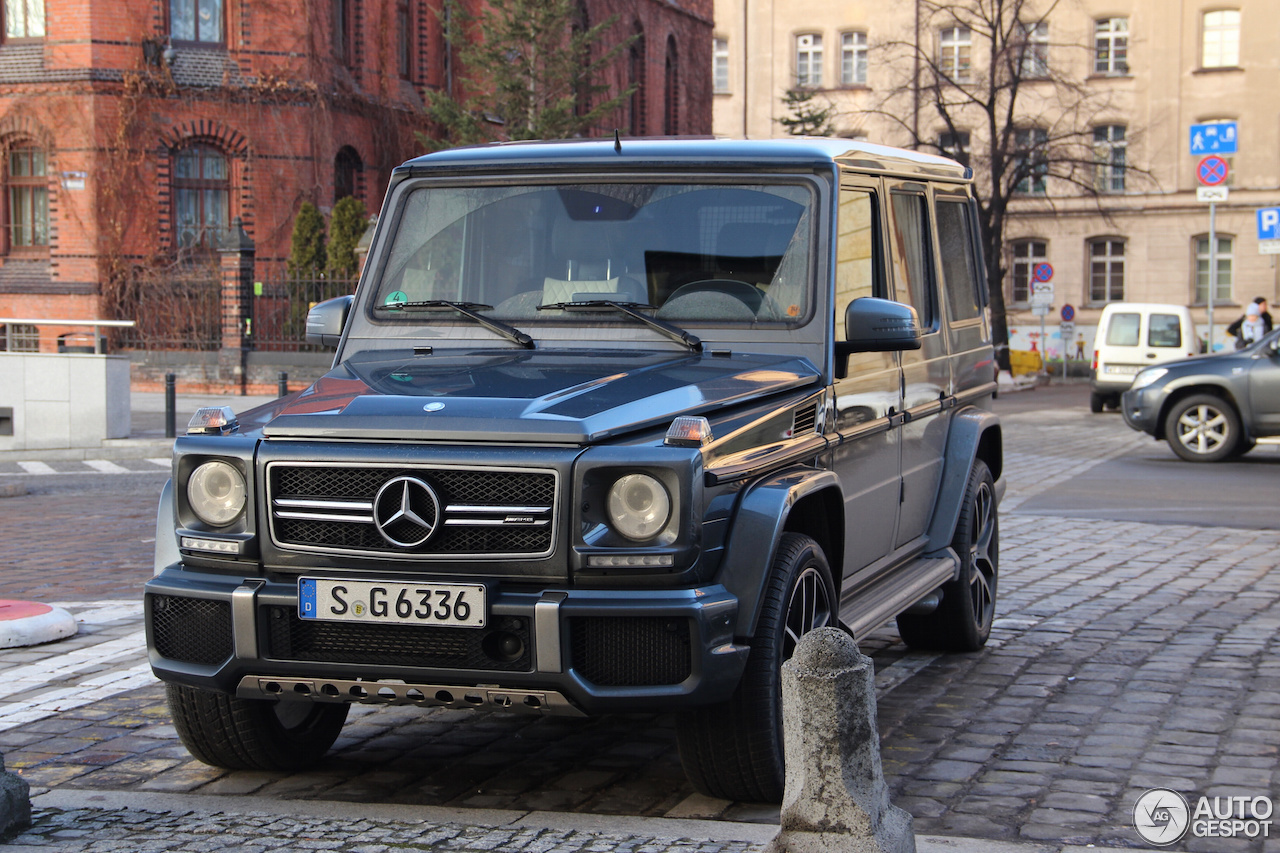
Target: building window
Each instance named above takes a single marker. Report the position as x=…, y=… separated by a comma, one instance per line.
x=809, y=60
x=1221, y=39
x=1031, y=162
x=1222, y=281
x=342, y=31
x=1034, y=61
x=1106, y=271
x=1026, y=254
x=853, y=59
x=955, y=46
x=720, y=65
x=346, y=165
x=1109, y=144
x=19, y=337
x=1111, y=46
x=201, y=196
x=198, y=21
x=637, y=60
x=23, y=19
x=27, y=180
x=404, y=41
x=671, y=116
x=955, y=145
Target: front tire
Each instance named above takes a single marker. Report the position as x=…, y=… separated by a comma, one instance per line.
x=1203, y=428
x=253, y=734
x=962, y=622
x=733, y=750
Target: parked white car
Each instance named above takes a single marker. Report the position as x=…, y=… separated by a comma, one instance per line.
x=1133, y=336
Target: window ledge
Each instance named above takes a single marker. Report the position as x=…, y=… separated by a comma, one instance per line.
x=1217, y=69
x=1109, y=76
x=1218, y=303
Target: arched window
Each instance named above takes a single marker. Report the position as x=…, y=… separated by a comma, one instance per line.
x=636, y=79
x=201, y=196
x=346, y=165
x=26, y=199
x=671, y=117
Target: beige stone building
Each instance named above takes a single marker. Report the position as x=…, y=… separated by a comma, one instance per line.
x=1133, y=76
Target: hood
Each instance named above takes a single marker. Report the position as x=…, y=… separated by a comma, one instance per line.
x=557, y=397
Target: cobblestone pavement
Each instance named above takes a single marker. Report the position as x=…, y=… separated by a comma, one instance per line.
x=1125, y=656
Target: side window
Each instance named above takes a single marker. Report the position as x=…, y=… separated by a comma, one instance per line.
x=1123, y=330
x=1165, y=331
x=911, y=268
x=959, y=272
x=857, y=263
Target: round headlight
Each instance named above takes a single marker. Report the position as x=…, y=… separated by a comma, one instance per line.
x=639, y=507
x=216, y=492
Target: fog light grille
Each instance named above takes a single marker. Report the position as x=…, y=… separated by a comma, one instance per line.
x=191, y=630
x=631, y=651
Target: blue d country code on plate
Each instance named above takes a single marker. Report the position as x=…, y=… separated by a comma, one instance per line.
x=392, y=602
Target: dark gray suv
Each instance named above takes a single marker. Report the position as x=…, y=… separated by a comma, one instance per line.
x=1213, y=407
x=611, y=424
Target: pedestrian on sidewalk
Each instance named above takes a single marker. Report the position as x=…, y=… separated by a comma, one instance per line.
x=1251, y=327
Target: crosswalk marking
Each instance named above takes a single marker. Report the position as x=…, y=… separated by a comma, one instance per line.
x=106, y=466
x=35, y=467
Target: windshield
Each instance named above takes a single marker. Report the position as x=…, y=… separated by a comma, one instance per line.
x=700, y=254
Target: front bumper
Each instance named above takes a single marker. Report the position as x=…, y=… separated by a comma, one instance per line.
x=561, y=650
x=1141, y=408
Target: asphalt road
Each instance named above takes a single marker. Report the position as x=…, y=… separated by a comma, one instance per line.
x=1149, y=483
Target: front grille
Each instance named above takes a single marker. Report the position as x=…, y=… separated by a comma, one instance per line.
x=191, y=630
x=632, y=651
x=480, y=512
x=502, y=645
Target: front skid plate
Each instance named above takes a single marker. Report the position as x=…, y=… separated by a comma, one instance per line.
x=547, y=702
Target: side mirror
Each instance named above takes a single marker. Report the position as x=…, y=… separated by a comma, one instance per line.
x=879, y=325
x=326, y=320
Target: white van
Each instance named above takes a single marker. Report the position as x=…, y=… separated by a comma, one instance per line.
x=1134, y=335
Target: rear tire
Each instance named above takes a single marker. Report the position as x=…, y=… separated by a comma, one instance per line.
x=253, y=734
x=1203, y=428
x=962, y=622
x=1095, y=403
x=733, y=750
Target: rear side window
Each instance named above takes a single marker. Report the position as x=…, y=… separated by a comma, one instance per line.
x=1123, y=331
x=959, y=271
x=1165, y=331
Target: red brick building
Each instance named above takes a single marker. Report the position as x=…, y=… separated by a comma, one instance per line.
x=133, y=130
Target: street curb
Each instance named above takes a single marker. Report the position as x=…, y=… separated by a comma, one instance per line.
x=113, y=448
x=69, y=799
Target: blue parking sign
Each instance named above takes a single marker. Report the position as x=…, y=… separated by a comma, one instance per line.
x=1218, y=137
x=1269, y=223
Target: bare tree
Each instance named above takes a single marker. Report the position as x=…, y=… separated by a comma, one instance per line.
x=1014, y=106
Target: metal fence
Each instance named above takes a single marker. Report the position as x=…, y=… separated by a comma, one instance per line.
x=180, y=308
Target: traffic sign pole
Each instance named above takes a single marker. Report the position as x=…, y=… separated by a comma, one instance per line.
x=1213, y=266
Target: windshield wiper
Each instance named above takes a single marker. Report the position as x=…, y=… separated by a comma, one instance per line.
x=629, y=308
x=466, y=309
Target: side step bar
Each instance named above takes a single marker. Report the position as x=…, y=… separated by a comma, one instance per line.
x=878, y=602
x=546, y=702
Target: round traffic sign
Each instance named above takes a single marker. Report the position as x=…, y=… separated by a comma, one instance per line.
x=1212, y=170
x=1068, y=313
x=1042, y=272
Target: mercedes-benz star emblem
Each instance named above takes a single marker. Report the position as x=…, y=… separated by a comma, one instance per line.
x=405, y=511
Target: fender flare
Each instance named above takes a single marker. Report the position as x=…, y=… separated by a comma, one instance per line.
x=758, y=524
x=974, y=432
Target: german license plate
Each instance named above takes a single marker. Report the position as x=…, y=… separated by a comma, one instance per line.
x=454, y=605
x=1126, y=369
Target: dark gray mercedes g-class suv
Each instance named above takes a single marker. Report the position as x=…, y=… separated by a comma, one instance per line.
x=611, y=424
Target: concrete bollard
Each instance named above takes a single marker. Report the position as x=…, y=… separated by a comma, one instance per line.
x=835, y=797
x=15, y=801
